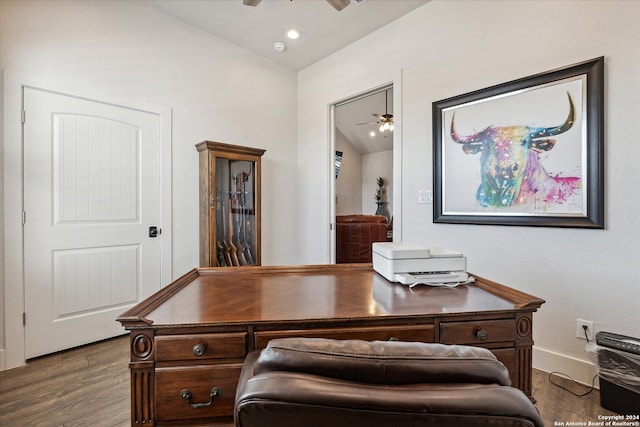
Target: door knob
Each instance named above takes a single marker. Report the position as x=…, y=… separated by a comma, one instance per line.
x=154, y=231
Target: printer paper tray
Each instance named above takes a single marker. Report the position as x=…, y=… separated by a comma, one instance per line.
x=432, y=278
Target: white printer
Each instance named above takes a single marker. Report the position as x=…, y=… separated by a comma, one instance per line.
x=411, y=264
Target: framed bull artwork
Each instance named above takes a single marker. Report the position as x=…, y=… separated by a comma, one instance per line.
x=528, y=152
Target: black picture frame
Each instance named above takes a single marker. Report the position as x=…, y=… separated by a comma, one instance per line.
x=493, y=151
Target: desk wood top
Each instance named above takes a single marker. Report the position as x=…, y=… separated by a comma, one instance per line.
x=241, y=295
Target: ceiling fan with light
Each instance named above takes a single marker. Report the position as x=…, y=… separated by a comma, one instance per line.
x=337, y=4
x=384, y=120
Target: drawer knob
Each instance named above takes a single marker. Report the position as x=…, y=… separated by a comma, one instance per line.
x=199, y=350
x=186, y=395
x=482, y=334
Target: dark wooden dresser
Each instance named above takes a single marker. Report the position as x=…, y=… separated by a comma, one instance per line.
x=188, y=341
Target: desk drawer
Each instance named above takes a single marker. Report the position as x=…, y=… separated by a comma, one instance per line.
x=201, y=346
x=421, y=333
x=199, y=381
x=482, y=331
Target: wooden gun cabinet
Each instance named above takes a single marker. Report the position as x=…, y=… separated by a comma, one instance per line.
x=229, y=204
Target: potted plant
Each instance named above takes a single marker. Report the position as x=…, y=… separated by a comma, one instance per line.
x=379, y=197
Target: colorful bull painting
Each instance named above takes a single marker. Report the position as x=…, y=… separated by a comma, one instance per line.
x=510, y=167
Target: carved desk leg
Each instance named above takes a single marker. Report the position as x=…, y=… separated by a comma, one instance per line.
x=524, y=329
x=142, y=368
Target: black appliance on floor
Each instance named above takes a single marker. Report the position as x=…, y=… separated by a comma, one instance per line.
x=618, y=358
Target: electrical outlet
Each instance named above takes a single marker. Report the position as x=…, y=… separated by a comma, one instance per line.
x=580, y=331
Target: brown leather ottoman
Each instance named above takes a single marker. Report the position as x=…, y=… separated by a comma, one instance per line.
x=321, y=382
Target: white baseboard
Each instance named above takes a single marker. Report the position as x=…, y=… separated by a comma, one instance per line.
x=3, y=359
x=582, y=371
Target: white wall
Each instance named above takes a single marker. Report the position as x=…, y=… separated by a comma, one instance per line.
x=356, y=184
x=447, y=48
x=129, y=51
x=349, y=181
x=376, y=165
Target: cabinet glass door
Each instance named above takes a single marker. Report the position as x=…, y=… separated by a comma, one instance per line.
x=236, y=242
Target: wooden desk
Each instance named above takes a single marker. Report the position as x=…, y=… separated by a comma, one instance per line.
x=193, y=335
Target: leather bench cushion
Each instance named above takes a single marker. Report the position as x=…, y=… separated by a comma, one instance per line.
x=383, y=362
x=276, y=399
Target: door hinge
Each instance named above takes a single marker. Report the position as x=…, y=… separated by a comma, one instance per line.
x=24, y=217
x=23, y=115
x=24, y=319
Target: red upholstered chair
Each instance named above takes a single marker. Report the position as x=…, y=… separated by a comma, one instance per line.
x=355, y=234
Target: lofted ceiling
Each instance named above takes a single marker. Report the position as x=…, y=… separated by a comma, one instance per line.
x=324, y=30
x=365, y=138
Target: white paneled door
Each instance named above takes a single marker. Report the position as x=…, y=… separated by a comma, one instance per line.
x=91, y=194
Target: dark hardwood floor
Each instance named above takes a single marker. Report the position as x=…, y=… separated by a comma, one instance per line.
x=89, y=386
x=558, y=405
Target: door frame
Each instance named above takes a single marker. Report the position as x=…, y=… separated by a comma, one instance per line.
x=13, y=138
x=396, y=85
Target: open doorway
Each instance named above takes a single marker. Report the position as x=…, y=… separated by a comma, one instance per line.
x=363, y=135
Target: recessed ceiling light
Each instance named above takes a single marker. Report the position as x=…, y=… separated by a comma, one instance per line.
x=372, y=134
x=293, y=34
x=279, y=46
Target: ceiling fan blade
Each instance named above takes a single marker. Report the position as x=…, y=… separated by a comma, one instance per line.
x=251, y=2
x=339, y=4
x=378, y=116
x=368, y=123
